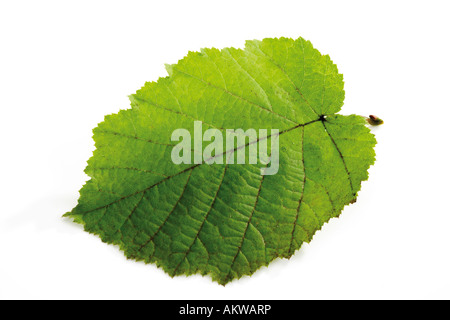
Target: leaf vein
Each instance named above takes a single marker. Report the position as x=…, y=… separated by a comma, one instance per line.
x=235, y=95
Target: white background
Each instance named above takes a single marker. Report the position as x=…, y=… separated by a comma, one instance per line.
x=66, y=64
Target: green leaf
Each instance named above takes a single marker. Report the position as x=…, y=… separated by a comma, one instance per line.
x=227, y=220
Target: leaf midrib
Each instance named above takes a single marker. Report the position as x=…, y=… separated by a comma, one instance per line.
x=195, y=166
